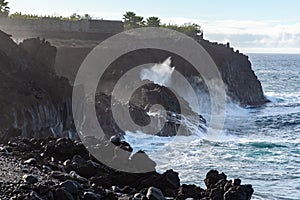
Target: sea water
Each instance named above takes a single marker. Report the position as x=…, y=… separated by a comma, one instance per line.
x=259, y=145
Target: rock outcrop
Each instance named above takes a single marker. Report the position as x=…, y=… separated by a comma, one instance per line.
x=139, y=106
x=243, y=86
x=33, y=99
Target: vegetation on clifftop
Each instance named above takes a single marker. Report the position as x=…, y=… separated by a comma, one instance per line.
x=4, y=9
x=131, y=21
x=73, y=17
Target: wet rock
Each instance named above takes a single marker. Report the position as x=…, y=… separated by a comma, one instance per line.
x=111, y=196
x=77, y=177
x=46, y=168
x=50, y=195
x=91, y=196
x=67, y=162
x=62, y=194
x=71, y=167
x=115, y=189
x=79, y=160
x=71, y=186
x=236, y=182
x=44, y=189
x=139, y=196
x=242, y=192
x=167, y=181
x=34, y=195
x=24, y=186
x=216, y=194
x=190, y=191
x=59, y=175
x=126, y=190
x=4, y=151
x=30, y=179
x=30, y=161
x=125, y=197
x=116, y=139
x=142, y=162
x=104, y=181
x=88, y=170
x=212, y=177
x=155, y=194
x=170, y=179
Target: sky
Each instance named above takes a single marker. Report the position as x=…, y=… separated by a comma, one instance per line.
x=253, y=26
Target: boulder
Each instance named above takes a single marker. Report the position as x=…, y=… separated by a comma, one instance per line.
x=242, y=192
x=91, y=196
x=213, y=177
x=190, y=191
x=155, y=194
x=30, y=179
x=71, y=186
x=62, y=194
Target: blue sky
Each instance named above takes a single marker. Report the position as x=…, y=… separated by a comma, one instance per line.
x=251, y=26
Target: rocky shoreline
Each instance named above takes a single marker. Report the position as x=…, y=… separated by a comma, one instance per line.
x=60, y=168
x=35, y=103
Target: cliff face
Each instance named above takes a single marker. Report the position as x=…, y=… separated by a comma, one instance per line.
x=243, y=86
x=34, y=101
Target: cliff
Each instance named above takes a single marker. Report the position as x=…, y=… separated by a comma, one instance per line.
x=243, y=86
x=75, y=39
x=34, y=101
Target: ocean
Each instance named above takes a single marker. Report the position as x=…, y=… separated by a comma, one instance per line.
x=259, y=145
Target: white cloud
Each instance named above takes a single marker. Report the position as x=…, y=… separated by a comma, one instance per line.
x=262, y=36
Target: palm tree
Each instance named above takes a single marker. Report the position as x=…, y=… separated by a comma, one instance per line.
x=4, y=9
x=131, y=20
x=86, y=16
x=153, y=22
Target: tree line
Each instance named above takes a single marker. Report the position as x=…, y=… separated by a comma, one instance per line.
x=131, y=21
x=73, y=17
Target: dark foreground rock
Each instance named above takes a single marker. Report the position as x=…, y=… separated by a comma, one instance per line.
x=63, y=169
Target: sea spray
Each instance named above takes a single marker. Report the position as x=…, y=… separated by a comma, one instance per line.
x=160, y=73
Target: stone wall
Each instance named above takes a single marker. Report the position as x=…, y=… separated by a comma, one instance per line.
x=60, y=29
